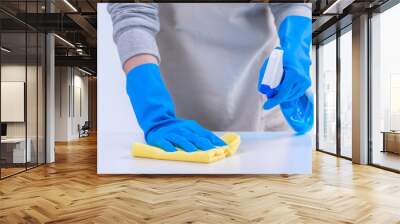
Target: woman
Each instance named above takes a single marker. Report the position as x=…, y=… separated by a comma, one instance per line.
x=211, y=55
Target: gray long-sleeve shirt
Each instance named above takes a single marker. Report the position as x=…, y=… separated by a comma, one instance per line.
x=137, y=24
x=211, y=55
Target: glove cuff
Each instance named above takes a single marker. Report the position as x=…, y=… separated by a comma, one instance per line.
x=295, y=35
x=294, y=32
x=149, y=97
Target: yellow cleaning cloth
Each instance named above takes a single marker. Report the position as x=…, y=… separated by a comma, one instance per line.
x=231, y=139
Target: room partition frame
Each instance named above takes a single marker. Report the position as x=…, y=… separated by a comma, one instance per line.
x=328, y=108
x=380, y=81
x=366, y=80
x=22, y=89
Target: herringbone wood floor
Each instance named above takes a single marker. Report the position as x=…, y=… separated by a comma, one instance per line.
x=70, y=191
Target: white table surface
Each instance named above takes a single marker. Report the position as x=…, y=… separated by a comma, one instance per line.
x=19, y=149
x=13, y=140
x=259, y=153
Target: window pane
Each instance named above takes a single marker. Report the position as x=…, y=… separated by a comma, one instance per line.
x=346, y=93
x=32, y=85
x=22, y=88
x=41, y=98
x=327, y=96
x=14, y=153
x=31, y=97
x=386, y=89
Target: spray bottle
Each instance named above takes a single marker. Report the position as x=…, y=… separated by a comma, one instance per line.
x=298, y=113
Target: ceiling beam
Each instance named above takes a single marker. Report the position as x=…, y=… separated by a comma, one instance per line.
x=337, y=7
x=86, y=27
x=79, y=61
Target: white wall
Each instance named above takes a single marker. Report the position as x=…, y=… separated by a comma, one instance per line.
x=111, y=82
x=61, y=103
x=17, y=72
x=33, y=126
x=79, y=117
x=14, y=72
x=70, y=83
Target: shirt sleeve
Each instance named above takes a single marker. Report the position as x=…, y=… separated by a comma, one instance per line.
x=135, y=26
x=282, y=10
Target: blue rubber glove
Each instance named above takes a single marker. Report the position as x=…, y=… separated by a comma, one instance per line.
x=299, y=113
x=155, y=114
x=295, y=38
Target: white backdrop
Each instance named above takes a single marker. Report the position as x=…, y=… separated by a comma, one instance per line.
x=259, y=153
x=114, y=109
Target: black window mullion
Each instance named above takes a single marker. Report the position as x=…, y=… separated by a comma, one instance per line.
x=37, y=90
x=0, y=97
x=317, y=96
x=369, y=83
x=26, y=87
x=338, y=91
